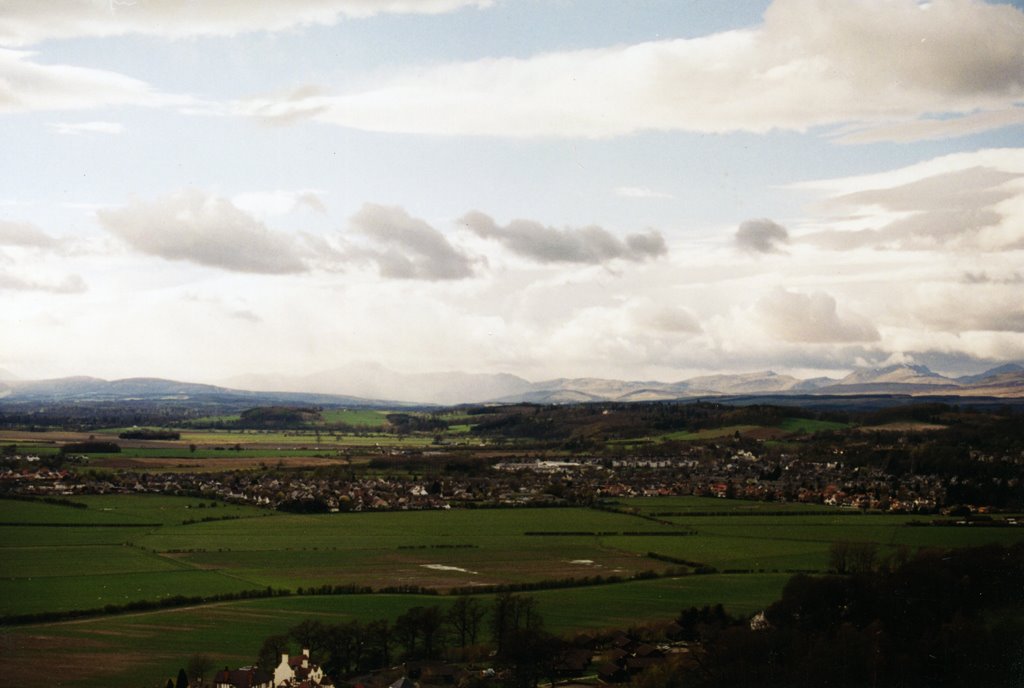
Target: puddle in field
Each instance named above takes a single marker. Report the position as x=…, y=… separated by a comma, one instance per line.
x=583, y=562
x=445, y=567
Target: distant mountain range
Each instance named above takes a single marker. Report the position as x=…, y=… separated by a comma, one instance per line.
x=914, y=380
x=374, y=385
x=144, y=389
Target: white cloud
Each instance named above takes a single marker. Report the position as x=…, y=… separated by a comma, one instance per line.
x=201, y=228
x=811, y=63
x=967, y=201
x=664, y=318
x=930, y=129
x=74, y=128
x=72, y=284
x=796, y=317
x=279, y=202
x=587, y=245
x=25, y=22
x=24, y=234
x=1004, y=159
x=640, y=192
x=977, y=345
x=27, y=86
x=994, y=306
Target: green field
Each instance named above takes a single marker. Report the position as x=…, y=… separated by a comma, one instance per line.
x=663, y=505
x=366, y=418
x=687, y=435
x=144, y=649
x=811, y=426
x=101, y=560
x=793, y=426
x=254, y=548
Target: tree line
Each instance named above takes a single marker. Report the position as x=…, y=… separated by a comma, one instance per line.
x=509, y=630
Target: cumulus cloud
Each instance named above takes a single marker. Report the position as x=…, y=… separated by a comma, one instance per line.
x=811, y=318
x=204, y=229
x=587, y=245
x=406, y=247
x=761, y=236
x=666, y=318
x=811, y=63
x=25, y=22
x=72, y=284
x=24, y=234
x=27, y=86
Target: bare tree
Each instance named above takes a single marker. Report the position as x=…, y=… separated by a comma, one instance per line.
x=198, y=667
x=465, y=617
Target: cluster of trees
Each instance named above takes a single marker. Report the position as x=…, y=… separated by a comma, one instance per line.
x=277, y=417
x=199, y=666
x=88, y=415
x=150, y=434
x=139, y=605
x=406, y=423
x=858, y=557
x=943, y=618
x=512, y=624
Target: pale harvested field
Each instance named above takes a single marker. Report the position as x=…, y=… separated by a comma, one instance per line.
x=201, y=465
x=905, y=426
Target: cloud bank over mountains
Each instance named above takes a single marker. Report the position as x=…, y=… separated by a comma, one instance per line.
x=818, y=297
x=646, y=201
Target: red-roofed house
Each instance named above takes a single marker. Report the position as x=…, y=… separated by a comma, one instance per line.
x=246, y=677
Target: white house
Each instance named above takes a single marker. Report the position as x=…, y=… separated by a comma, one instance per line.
x=295, y=670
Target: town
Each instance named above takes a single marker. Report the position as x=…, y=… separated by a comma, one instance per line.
x=712, y=469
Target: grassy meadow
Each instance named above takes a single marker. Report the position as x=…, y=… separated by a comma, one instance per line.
x=127, y=548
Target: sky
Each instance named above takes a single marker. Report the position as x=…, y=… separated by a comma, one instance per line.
x=632, y=189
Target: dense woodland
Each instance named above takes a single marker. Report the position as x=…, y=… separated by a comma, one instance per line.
x=943, y=618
